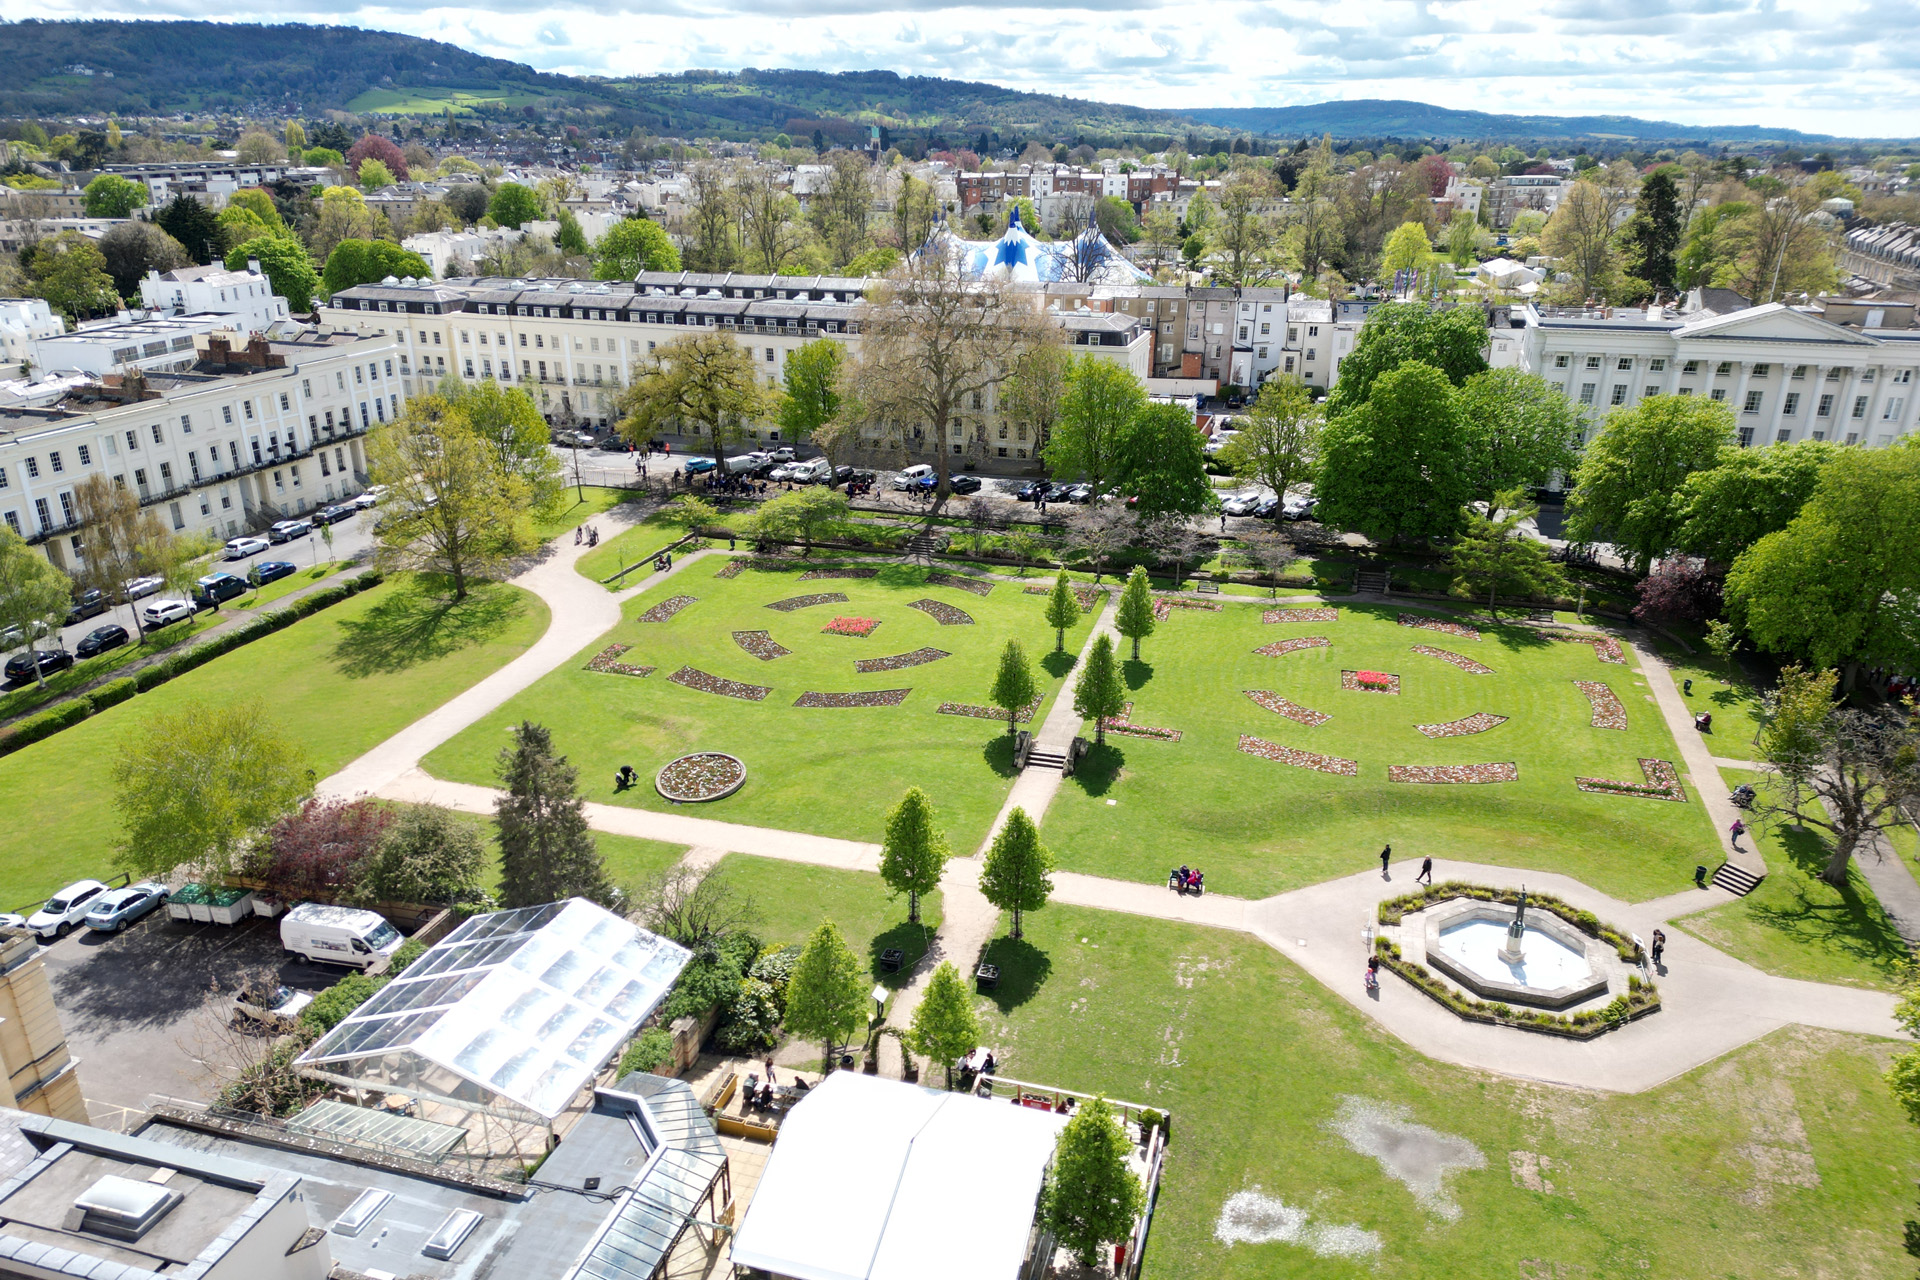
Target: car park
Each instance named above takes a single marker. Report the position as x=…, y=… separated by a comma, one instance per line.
x=288, y=530
x=241, y=548
x=89, y=604
x=265, y=571
x=782, y=453
x=115, y=909
x=914, y=477
x=101, y=639
x=140, y=588
x=1219, y=441
x=65, y=909
x=21, y=666
x=271, y=1007
x=1241, y=504
x=217, y=588
x=163, y=613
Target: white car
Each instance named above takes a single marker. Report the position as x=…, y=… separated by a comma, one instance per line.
x=781, y=472
x=274, y=1008
x=12, y=920
x=65, y=909
x=241, y=548
x=783, y=453
x=914, y=476
x=370, y=498
x=141, y=587
x=163, y=613
x=1220, y=440
x=1242, y=505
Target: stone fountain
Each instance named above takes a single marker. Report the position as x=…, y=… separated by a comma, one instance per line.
x=1536, y=959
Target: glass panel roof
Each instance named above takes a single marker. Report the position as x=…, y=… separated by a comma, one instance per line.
x=525, y=1004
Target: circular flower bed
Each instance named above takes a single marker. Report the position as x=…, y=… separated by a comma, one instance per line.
x=705, y=775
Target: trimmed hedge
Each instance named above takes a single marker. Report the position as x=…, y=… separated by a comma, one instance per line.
x=45, y=725
x=1393, y=909
x=1640, y=1000
x=111, y=694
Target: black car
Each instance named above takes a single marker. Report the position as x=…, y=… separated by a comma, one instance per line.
x=20, y=665
x=1073, y=493
x=89, y=604
x=842, y=475
x=269, y=571
x=1267, y=507
x=216, y=588
x=964, y=484
x=334, y=514
x=101, y=639
x=1034, y=490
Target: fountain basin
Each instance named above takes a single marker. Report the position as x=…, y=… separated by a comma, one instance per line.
x=1558, y=968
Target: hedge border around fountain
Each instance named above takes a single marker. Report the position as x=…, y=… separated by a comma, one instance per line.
x=1392, y=909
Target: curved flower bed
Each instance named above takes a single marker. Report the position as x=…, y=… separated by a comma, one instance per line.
x=694, y=678
x=1301, y=615
x=944, y=614
x=1123, y=725
x=1022, y=716
x=1291, y=710
x=1369, y=682
x=1163, y=606
x=959, y=583
x=705, y=775
x=1478, y=722
x=666, y=609
x=1507, y=772
x=1459, y=660
x=871, y=698
x=1434, y=624
x=607, y=660
x=918, y=658
x=1607, y=711
x=807, y=602
x=1605, y=648
x=1663, y=783
x=761, y=645
x=850, y=627
x=1298, y=759
x=850, y=571
x=1087, y=596
x=740, y=564
x=1294, y=645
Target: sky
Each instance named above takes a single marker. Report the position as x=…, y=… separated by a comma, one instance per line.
x=1849, y=67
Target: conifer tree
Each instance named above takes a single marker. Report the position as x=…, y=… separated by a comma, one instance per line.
x=945, y=1027
x=1100, y=694
x=914, y=853
x=1015, y=876
x=547, y=854
x=1062, y=610
x=1134, y=619
x=1013, y=684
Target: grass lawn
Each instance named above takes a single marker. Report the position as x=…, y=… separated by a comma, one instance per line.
x=1257, y=826
x=637, y=545
x=831, y=771
x=29, y=696
x=1787, y=1157
x=1799, y=926
x=339, y=681
x=793, y=898
x=1725, y=690
x=575, y=510
x=306, y=576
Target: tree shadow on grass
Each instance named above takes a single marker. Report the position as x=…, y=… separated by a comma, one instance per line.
x=901, y=575
x=1024, y=969
x=998, y=753
x=411, y=627
x=1058, y=663
x=1100, y=768
x=1136, y=672
x=911, y=939
x=1854, y=926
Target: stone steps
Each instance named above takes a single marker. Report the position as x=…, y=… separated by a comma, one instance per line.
x=1375, y=580
x=1046, y=758
x=1736, y=879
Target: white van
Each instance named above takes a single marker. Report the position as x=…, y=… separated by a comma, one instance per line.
x=338, y=935
x=812, y=471
x=746, y=462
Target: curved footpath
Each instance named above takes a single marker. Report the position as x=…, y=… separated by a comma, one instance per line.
x=1713, y=1003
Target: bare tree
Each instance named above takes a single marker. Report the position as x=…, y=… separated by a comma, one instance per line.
x=844, y=209
x=769, y=219
x=699, y=909
x=1100, y=529
x=1268, y=552
x=119, y=538
x=1857, y=771
x=1176, y=542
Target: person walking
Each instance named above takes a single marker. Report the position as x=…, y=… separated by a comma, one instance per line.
x=1737, y=830
x=1386, y=856
x=1659, y=946
x=1426, y=872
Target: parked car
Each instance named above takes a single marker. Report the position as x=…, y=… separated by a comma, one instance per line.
x=101, y=639
x=241, y=548
x=272, y=1008
x=781, y=472
x=12, y=920
x=1268, y=506
x=1220, y=440
x=853, y=475
x=65, y=909
x=782, y=453
x=265, y=571
x=813, y=471
x=142, y=587
x=115, y=909
x=217, y=588
x=698, y=466
x=90, y=604
x=288, y=530
x=1241, y=505
x=336, y=513
x=752, y=463
x=13, y=638
x=338, y=935
x=164, y=613
x=370, y=497
x=1299, y=507
x=1034, y=490
x=20, y=667
x=964, y=484
x=913, y=477
x=1073, y=493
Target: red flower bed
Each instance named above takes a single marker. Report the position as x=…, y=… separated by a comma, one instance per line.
x=1165, y=605
x=871, y=698
x=1663, y=783
x=1369, y=682
x=958, y=583
x=1459, y=660
x=807, y=602
x=1291, y=710
x=850, y=627
x=1478, y=722
x=919, y=657
x=607, y=660
x=1298, y=759
x=666, y=609
x=760, y=645
x=1301, y=615
x=1279, y=647
x=1607, y=711
x=1434, y=624
x=1468, y=773
x=1123, y=725
x=1605, y=648
x=1022, y=716
x=944, y=614
x=694, y=678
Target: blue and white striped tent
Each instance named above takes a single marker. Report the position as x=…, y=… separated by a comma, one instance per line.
x=1088, y=258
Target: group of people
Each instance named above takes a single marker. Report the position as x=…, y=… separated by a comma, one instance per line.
x=1185, y=879
x=589, y=534
x=664, y=561
x=972, y=1067
x=625, y=777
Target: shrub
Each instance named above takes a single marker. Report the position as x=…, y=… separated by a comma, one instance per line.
x=151, y=677
x=651, y=1048
x=111, y=694
x=271, y=1086
x=331, y=1007
x=751, y=1020
x=704, y=985
x=46, y=724
x=410, y=950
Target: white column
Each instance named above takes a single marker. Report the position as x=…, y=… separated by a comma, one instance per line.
x=1740, y=393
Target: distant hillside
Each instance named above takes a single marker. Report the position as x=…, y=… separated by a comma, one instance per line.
x=1382, y=118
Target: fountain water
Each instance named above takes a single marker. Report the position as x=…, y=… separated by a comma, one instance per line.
x=1537, y=960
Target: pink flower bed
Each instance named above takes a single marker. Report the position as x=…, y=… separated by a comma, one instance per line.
x=1470, y=773
x=607, y=660
x=694, y=678
x=850, y=627
x=1163, y=606
x=666, y=609
x=959, y=583
x=871, y=698
x=1298, y=759
x=760, y=645
x=1301, y=615
x=1605, y=648
x=1607, y=711
x=1123, y=725
x=944, y=614
x=1025, y=713
x=1434, y=624
x=1291, y=710
x=1663, y=783
x=1087, y=596
x=1369, y=682
x=1279, y=647
x=807, y=602
x=919, y=657
x=1478, y=722
x=850, y=571
x=1459, y=660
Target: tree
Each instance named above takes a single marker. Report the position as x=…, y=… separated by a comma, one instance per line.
x=1099, y=529
x=1134, y=618
x=1016, y=873
x=1247, y=240
x=713, y=243
x=807, y=514
x=1100, y=694
x=1092, y=1196
x=193, y=225
x=1162, y=229
x=811, y=392
x=374, y=176
x=197, y=784
x=132, y=249
x=468, y=202
x=1581, y=231
x=1627, y=486
x=122, y=541
x=1098, y=401
x=34, y=596
x=827, y=995
x=426, y=855
x=1465, y=239
x=1651, y=237
x=1161, y=464
x=1790, y=735
x=913, y=855
x=509, y=423
x=513, y=205
x=112, y=196
x=1519, y=431
x=380, y=150
x=1394, y=467
x=570, y=239
x=1062, y=610
x=705, y=382
x=1493, y=554
x=70, y=272
x=260, y=211
x=769, y=216
x=1116, y=220
x=945, y=1027
x=318, y=851
x=1747, y=495
x=296, y=136
x=547, y=853
x=1013, y=684
x=632, y=246
x=1452, y=341
x=1854, y=772
x=1032, y=396
x=354, y=262
x=287, y=266
x=450, y=509
x=344, y=215
x=1408, y=248
x=1679, y=589
x=1279, y=436
x=1268, y=551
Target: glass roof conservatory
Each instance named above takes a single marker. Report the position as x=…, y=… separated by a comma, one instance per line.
x=513, y=1013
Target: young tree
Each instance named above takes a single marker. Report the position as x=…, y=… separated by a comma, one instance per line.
x=1394, y=467
x=702, y=910
x=827, y=997
x=1268, y=551
x=1033, y=395
x=913, y=855
x=508, y=422
x=811, y=395
x=1134, y=618
x=1746, y=495
x=1493, y=554
x=1016, y=873
x=374, y=175
x=1100, y=529
x=1408, y=248
x=1062, y=610
x=1279, y=436
x=1092, y=1196
x=945, y=1027
x=806, y=514
x=1100, y=693
x=426, y=855
x=1453, y=341
x=1098, y=400
x=632, y=246
x=1519, y=431
x=1013, y=684
x=196, y=785
x=1862, y=769
x=704, y=383
x=119, y=537
x=449, y=509
x=547, y=854
x=1628, y=484
x=1795, y=709
x=1175, y=542
x=1162, y=465
x=34, y=596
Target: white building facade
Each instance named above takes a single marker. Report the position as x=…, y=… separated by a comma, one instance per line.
x=245, y=298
